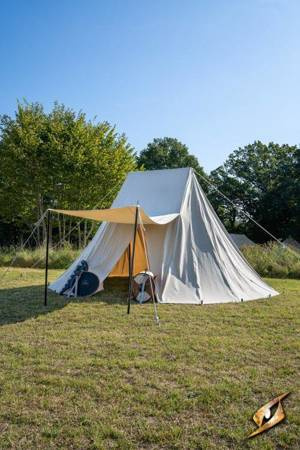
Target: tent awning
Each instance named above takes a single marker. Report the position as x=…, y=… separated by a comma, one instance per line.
x=117, y=215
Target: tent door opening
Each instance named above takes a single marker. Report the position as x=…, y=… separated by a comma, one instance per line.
x=121, y=269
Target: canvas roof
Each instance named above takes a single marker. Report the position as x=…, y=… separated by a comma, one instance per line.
x=158, y=192
x=241, y=239
x=117, y=215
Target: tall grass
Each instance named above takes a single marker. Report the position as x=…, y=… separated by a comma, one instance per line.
x=273, y=260
x=269, y=260
x=59, y=258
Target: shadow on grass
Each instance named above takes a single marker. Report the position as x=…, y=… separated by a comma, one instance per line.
x=27, y=302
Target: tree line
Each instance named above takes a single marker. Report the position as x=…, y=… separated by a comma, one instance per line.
x=60, y=159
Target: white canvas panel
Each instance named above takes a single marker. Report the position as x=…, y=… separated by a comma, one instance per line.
x=200, y=254
x=102, y=253
x=159, y=192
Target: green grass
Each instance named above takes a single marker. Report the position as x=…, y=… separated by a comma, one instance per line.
x=82, y=374
x=269, y=260
x=273, y=260
x=59, y=258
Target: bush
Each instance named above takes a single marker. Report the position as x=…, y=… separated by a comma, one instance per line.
x=59, y=258
x=273, y=260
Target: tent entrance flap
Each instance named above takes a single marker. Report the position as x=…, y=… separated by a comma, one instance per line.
x=121, y=269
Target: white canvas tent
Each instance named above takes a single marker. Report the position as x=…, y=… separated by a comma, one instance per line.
x=189, y=250
x=241, y=240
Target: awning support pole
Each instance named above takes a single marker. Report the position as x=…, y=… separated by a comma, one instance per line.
x=131, y=265
x=151, y=280
x=129, y=259
x=47, y=258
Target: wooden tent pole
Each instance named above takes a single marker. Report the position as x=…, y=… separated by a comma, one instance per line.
x=131, y=265
x=148, y=268
x=129, y=260
x=47, y=258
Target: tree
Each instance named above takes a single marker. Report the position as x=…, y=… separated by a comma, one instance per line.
x=167, y=153
x=264, y=181
x=59, y=159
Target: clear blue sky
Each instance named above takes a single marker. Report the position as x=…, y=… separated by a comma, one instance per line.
x=214, y=74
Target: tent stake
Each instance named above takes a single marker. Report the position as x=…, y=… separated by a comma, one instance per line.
x=47, y=258
x=131, y=266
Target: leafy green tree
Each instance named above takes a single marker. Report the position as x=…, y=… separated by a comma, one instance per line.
x=264, y=181
x=167, y=153
x=58, y=160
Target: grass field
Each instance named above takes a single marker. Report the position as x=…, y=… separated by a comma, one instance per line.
x=85, y=375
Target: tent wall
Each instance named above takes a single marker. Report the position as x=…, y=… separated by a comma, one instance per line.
x=102, y=253
x=200, y=262
x=107, y=254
